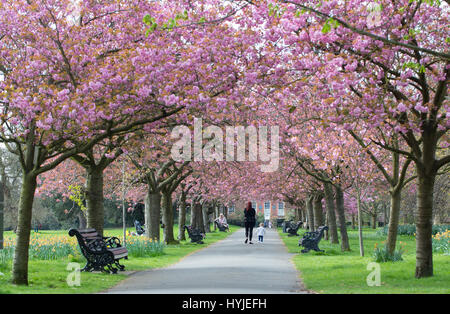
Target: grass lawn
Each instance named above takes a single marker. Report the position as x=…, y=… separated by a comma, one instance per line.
x=345, y=272
x=49, y=276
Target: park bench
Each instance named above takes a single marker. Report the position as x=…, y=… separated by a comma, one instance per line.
x=139, y=229
x=285, y=224
x=280, y=222
x=100, y=252
x=310, y=240
x=293, y=228
x=195, y=235
x=221, y=227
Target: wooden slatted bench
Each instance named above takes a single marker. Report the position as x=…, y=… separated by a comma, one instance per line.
x=310, y=240
x=293, y=228
x=100, y=252
x=195, y=235
x=286, y=224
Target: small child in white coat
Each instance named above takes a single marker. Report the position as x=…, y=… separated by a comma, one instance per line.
x=260, y=232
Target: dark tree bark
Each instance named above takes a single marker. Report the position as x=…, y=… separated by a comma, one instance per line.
x=426, y=176
x=374, y=221
x=205, y=216
x=331, y=216
x=310, y=212
x=82, y=223
x=95, y=212
x=168, y=218
x=340, y=213
x=393, y=220
x=225, y=211
x=216, y=215
x=424, y=250
x=182, y=216
x=2, y=210
x=197, y=216
x=318, y=211
x=94, y=199
x=20, y=262
x=153, y=215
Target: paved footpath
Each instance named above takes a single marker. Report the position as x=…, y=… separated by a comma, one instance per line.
x=225, y=267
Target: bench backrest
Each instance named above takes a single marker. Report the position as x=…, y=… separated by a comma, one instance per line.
x=88, y=239
x=191, y=230
x=297, y=225
x=320, y=231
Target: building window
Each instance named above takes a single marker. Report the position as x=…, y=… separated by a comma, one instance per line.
x=254, y=205
x=231, y=208
x=266, y=210
x=281, y=209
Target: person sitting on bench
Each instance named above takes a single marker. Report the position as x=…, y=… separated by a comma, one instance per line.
x=222, y=220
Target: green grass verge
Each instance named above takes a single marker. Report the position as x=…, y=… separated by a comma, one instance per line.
x=345, y=272
x=47, y=277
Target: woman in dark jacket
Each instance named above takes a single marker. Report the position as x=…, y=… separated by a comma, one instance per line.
x=249, y=221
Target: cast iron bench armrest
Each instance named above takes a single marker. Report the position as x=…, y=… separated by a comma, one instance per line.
x=100, y=252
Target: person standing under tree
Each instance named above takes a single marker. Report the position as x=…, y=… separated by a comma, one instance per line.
x=249, y=222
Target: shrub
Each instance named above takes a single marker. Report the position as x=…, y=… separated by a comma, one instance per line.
x=6, y=256
x=411, y=229
x=381, y=254
x=259, y=218
x=76, y=257
x=144, y=247
x=236, y=218
x=43, y=248
x=441, y=242
x=51, y=248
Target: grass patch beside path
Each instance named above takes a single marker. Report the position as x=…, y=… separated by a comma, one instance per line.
x=345, y=272
x=49, y=276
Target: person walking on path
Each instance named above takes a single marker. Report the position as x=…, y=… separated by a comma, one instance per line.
x=249, y=221
x=260, y=232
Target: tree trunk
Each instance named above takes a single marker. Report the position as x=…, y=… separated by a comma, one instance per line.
x=374, y=221
x=182, y=217
x=391, y=240
x=197, y=216
x=205, y=215
x=2, y=210
x=81, y=220
x=297, y=214
x=361, y=244
x=331, y=213
x=386, y=219
x=94, y=199
x=216, y=215
x=424, y=252
x=340, y=213
x=152, y=215
x=318, y=212
x=310, y=213
x=168, y=218
x=20, y=263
